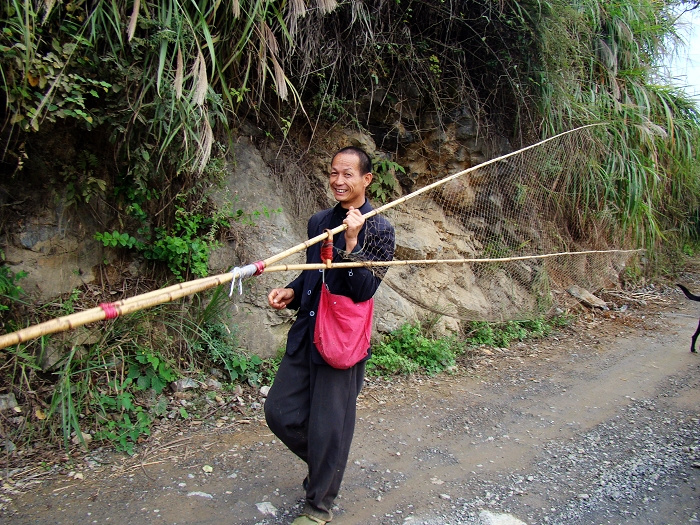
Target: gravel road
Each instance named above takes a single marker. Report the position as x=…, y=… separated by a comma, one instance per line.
x=597, y=424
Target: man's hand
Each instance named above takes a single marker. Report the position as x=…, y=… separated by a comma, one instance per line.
x=354, y=220
x=279, y=298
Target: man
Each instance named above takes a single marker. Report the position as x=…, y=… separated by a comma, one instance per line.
x=311, y=405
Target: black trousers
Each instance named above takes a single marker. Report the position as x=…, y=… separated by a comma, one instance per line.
x=311, y=408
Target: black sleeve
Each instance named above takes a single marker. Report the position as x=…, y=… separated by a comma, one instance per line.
x=360, y=284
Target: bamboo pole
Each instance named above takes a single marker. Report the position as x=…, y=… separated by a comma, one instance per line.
x=373, y=264
x=125, y=306
x=180, y=290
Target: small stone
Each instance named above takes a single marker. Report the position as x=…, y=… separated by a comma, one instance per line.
x=208, y=469
x=200, y=495
x=183, y=384
x=264, y=390
x=267, y=508
x=493, y=518
x=8, y=402
x=213, y=384
x=86, y=439
x=587, y=298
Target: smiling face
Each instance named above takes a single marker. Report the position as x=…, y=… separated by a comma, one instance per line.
x=347, y=181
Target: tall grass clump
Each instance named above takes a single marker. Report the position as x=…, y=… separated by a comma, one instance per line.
x=603, y=62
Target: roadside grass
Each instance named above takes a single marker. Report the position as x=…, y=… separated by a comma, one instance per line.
x=414, y=349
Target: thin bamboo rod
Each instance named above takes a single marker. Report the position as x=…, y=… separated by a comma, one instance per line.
x=373, y=264
x=401, y=200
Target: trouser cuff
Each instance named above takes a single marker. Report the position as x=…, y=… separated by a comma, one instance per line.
x=317, y=513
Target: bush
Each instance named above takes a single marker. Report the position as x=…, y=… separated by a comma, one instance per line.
x=408, y=351
x=501, y=335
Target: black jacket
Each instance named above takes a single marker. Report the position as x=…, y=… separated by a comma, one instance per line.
x=375, y=242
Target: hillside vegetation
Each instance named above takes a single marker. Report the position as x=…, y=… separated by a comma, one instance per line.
x=154, y=92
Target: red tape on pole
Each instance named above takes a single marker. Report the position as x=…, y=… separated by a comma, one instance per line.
x=260, y=265
x=110, y=310
x=327, y=249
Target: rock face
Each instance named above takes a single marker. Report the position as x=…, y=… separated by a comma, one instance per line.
x=250, y=183
x=57, y=251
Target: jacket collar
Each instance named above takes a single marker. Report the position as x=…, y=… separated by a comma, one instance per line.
x=363, y=209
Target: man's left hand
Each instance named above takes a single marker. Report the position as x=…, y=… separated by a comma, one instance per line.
x=354, y=221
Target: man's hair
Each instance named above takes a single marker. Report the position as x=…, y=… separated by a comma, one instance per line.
x=365, y=161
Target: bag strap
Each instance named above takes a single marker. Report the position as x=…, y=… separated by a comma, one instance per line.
x=326, y=253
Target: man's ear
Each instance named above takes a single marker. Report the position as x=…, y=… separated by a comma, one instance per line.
x=368, y=178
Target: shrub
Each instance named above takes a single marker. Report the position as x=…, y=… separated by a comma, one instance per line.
x=406, y=351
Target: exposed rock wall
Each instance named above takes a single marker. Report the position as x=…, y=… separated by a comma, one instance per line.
x=58, y=252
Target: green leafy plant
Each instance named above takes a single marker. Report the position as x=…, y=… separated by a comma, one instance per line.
x=116, y=239
x=221, y=345
x=120, y=418
x=249, y=218
x=384, y=184
x=70, y=301
x=184, y=248
x=184, y=254
x=407, y=350
x=130, y=421
x=150, y=370
x=10, y=290
x=502, y=334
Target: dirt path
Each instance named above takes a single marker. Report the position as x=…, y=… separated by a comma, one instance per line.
x=598, y=424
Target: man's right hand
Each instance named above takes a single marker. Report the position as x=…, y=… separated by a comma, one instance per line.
x=279, y=298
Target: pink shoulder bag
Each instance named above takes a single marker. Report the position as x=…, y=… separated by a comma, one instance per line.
x=343, y=329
